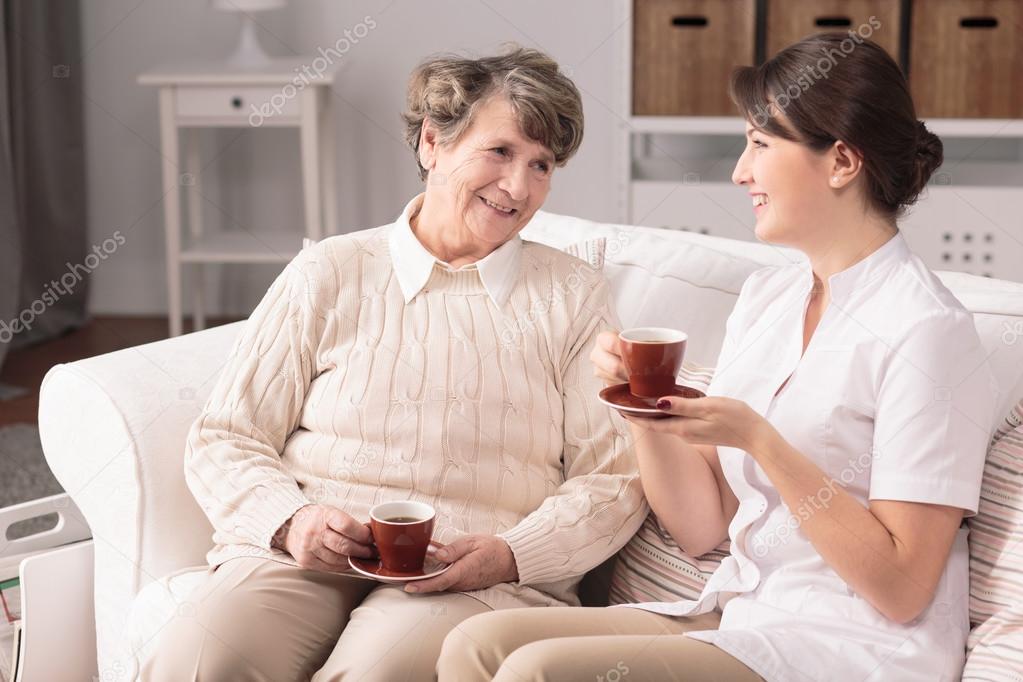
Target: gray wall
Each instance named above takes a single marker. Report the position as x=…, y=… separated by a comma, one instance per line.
x=252, y=177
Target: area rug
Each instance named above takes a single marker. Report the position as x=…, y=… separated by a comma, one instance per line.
x=10, y=392
x=24, y=474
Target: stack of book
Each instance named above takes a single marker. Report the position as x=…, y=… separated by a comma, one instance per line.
x=10, y=627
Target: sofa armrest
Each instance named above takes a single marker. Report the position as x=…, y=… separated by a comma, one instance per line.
x=113, y=429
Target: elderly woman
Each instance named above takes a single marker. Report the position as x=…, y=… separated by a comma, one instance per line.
x=409, y=363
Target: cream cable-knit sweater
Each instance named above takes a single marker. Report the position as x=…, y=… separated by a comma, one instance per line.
x=338, y=392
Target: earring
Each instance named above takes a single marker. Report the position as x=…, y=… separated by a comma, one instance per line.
x=834, y=180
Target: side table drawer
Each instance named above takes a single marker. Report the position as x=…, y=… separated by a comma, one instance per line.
x=237, y=103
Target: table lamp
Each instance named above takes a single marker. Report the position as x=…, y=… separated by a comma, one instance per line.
x=248, y=51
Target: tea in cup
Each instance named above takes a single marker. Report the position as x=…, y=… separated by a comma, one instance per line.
x=652, y=357
x=402, y=533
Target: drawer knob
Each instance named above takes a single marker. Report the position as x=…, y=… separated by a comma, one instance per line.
x=236, y=102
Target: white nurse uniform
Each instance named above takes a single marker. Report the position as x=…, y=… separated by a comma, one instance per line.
x=894, y=400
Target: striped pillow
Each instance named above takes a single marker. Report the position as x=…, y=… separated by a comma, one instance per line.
x=996, y=560
x=590, y=250
x=651, y=566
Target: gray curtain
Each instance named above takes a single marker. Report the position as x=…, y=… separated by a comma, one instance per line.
x=43, y=235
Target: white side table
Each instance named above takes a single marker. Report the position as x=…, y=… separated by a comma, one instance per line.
x=282, y=93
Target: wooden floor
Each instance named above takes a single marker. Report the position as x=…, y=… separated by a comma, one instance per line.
x=27, y=367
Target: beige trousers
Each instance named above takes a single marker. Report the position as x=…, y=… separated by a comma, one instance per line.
x=257, y=619
x=591, y=644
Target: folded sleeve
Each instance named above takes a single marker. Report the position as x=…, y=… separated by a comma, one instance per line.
x=233, y=451
x=600, y=504
x=934, y=414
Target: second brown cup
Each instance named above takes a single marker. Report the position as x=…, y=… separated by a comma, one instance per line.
x=652, y=357
x=402, y=532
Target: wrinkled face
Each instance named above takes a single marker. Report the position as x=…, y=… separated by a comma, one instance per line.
x=788, y=185
x=493, y=178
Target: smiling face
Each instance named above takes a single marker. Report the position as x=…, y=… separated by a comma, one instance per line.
x=789, y=186
x=492, y=179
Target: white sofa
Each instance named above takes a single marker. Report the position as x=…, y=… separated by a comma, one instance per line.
x=113, y=426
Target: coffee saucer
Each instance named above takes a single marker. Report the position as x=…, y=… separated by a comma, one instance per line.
x=371, y=568
x=620, y=398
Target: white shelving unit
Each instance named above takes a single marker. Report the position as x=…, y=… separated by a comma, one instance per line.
x=675, y=173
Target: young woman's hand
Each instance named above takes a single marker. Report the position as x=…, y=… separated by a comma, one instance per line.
x=607, y=359
x=709, y=421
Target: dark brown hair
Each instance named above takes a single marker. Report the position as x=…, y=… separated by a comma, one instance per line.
x=448, y=89
x=835, y=86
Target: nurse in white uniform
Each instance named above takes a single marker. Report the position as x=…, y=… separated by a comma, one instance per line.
x=843, y=437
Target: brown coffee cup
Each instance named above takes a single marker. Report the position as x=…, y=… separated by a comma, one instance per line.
x=401, y=533
x=652, y=357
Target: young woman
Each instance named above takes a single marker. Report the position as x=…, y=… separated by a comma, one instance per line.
x=843, y=436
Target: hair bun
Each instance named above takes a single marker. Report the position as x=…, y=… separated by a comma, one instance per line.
x=929, y=156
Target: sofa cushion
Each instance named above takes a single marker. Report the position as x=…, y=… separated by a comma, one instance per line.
x=691, y=284
x=996, y=560
x=154, y=607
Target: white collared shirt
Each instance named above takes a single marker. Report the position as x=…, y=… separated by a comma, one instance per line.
x=413, y=263
x=894, y=399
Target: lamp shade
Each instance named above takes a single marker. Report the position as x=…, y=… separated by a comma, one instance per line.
x=247, y=5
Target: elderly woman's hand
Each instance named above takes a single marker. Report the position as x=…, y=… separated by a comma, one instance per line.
x=607, y=359
x=477, y=561
x=321, y=537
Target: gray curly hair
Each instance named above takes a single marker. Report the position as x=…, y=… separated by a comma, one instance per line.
x=448, y=89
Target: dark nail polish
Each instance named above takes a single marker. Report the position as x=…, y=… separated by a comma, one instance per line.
x=663, y=404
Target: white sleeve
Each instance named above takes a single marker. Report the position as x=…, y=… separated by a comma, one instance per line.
x=934, y=413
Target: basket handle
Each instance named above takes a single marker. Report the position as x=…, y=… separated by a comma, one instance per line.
x=978, y=22
x=689, y=21
x=832, y=22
